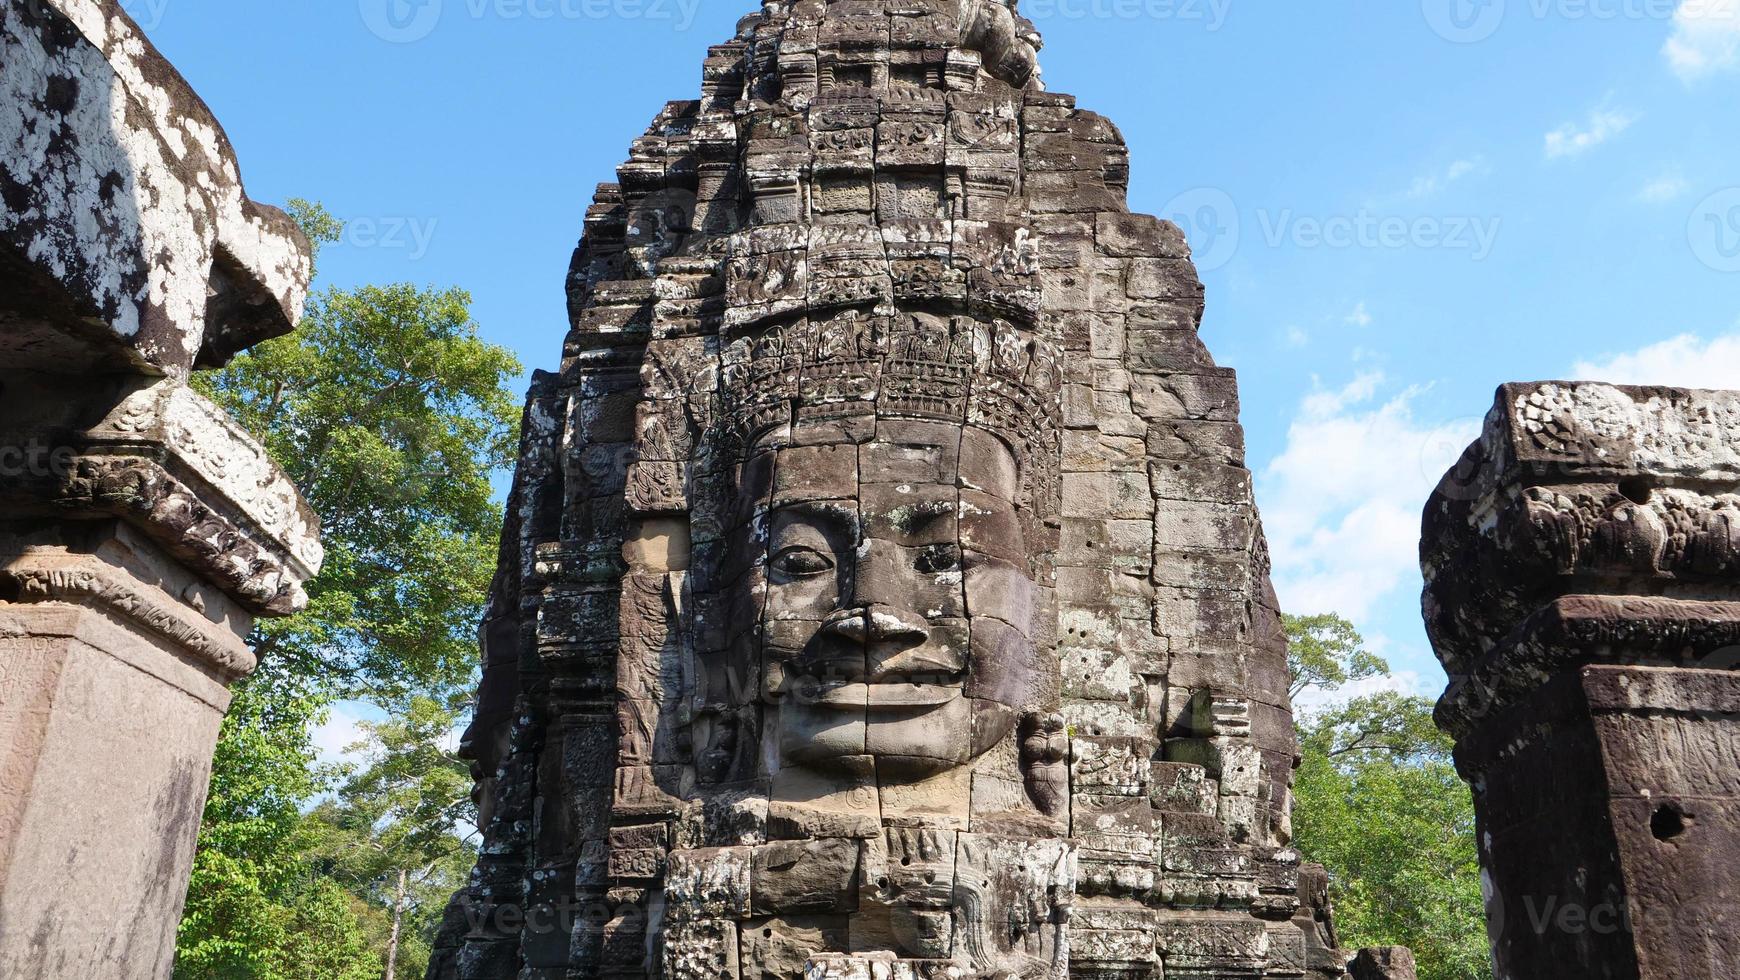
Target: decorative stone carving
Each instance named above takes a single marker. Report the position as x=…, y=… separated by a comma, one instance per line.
x=140, y=530
x=1580, y=591
x=941, y=642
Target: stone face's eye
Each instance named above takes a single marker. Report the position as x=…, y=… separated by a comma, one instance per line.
x=798, y=561
x=940, y=558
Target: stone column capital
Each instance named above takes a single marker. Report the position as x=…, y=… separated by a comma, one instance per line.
x=165, y=459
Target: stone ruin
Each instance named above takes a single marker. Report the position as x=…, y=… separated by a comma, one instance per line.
x=140, y=530
x=1583, y=591
x=882, y=593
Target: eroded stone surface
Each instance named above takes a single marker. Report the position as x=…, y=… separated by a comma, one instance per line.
x=141, y=531
x=1583, y=593
x=885, y=544
x=126, y=240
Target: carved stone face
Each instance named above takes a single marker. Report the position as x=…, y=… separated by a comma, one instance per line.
x=898, y=599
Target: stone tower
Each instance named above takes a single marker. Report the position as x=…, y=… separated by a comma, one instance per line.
x=141, y=530
x=882, y=592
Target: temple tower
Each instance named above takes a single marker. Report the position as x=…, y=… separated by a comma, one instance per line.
x=882, y=588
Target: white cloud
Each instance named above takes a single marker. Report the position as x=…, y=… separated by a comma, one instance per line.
x=1572, y=140
x=341, y=730
x=1342, y=501
x=1706, y=38
x=1667, y=187
x=1686, y=361
x=1432, y=183
x=1297, y=337
x=1463, y=168
x=1360, y=317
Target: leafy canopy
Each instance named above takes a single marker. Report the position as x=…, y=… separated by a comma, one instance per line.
x=392, y=415
x=1378, y=802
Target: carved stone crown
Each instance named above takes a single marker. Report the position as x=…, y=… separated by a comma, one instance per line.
x=921, y=366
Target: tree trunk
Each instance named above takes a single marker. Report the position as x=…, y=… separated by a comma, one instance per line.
x=398, y=917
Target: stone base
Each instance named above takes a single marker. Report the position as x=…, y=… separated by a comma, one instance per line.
x=1609, y=807
x=112, y=691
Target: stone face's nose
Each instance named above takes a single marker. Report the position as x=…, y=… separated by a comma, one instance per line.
x=877, y=625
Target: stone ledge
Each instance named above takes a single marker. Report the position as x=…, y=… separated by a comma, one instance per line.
x=1577, y=631
x=127, y=238
x=170, y=462
x=92, y=582
x=1581, y=488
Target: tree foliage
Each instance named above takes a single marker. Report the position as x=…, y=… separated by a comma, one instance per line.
x=1325, y=652
x=1378, y=801
x=392, y=416
x=396, y=833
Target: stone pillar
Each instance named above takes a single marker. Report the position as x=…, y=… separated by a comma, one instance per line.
x=140, y=530
x=1582, y=569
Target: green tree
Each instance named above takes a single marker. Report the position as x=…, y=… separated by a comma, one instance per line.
x=393, y=833
x=1325, y=652
x=392, y=415
x=1378, y=801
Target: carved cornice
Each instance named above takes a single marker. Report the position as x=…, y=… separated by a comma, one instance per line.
x=171, y=463
x=94, y=584
x=1577, y=631
x=1582, y=489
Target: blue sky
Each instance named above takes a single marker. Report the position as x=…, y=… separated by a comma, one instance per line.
x=1399, y=204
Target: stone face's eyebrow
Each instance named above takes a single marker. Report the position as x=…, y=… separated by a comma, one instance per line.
x=930, y=511
x=844, y=513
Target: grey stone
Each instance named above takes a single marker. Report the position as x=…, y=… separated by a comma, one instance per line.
x=968, y=528
x=144, y=531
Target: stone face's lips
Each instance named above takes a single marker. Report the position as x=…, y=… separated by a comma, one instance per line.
x=856, y=696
